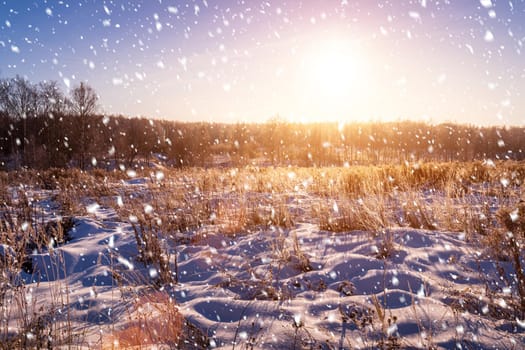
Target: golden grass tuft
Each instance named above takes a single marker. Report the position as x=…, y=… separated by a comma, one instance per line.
x=156, y=322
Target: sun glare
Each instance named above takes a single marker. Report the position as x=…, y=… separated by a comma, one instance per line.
x=331, y=70
x=331, y=79
x=332, y=74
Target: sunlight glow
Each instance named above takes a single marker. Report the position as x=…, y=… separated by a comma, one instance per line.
x=332, y=73
x=332, y=79
x=331, y=70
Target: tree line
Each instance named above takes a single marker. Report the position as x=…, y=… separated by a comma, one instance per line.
x=42, y=127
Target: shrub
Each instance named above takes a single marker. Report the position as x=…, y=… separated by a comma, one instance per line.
x=512, y=240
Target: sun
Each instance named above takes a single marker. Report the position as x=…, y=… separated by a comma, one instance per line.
x=331, y=70
x=331, y=73
x=331, y=81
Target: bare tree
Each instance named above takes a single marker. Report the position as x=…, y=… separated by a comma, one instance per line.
x=52, y=108
x=84, y=104
x=4, y=93
x=51, y=100
x=19, y=99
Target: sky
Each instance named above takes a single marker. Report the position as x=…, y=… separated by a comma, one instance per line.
x=251, y=61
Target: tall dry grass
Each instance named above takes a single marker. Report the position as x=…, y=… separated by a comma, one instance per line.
x=173, y=206
x=27, y=321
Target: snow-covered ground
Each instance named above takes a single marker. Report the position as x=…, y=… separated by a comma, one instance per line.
x=272, y=287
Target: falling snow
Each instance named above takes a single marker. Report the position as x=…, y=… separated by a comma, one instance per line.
x=258, y=53
x=232, y=262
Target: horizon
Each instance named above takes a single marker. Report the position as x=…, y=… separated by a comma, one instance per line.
x=273, y=119
x=231, y=62
x=278, y=119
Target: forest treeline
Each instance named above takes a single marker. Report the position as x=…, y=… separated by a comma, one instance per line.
x=41, y=127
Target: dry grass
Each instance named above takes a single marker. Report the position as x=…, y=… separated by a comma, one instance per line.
x=174, y=206
x=39, y=323
x=508, y=242
x=353, y=215
x=156, y=321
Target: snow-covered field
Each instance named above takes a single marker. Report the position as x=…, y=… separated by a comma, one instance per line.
x=282, y=284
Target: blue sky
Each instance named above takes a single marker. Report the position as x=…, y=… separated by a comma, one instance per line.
x=243, y=60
